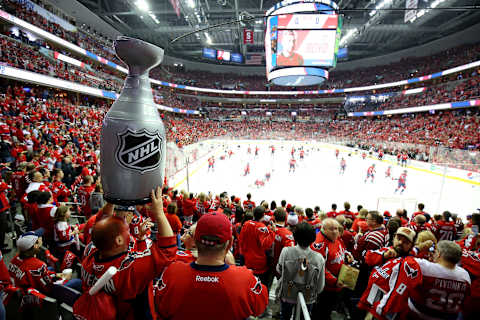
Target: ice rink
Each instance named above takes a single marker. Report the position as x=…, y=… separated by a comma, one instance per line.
x=317, y=181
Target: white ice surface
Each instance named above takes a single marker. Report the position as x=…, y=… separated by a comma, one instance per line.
x=317, y=180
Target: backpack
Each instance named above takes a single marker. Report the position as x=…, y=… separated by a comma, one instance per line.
x=301, y=272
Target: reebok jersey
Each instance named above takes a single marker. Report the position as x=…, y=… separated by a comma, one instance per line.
x=207, y=292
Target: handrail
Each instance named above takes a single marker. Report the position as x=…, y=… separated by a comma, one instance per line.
x=303, y=308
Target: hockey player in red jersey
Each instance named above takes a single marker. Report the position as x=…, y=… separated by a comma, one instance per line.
x=292, y=152
x=247, y=169
x=136, y=265
x=337, y=152
x=404, y=159
x=292, y=164
x=302, y=154
x=402, y=182
x=256, y=150
x=364, y=155
x=370, y=173
x=211, y=164
x=380, y=154
x=343, y=165
x=209, y=288
x=388, y=172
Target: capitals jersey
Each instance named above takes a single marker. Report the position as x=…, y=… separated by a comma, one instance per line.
x=334, y=254
x=31, y=273
x=83, y=194
x=59, y=191
x=378, y=285
x=283, y=238
x=206, y=292
x=471, y=262
x=255, y=238
x=185, y=256
x=441, y=293
x=370, y=171
x=136, y=268
x=445, y=230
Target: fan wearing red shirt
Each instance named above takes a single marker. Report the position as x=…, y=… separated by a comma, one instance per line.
x=18, y=180
x=136, y=267
x=347, y=213
x=330, y=246
x=283, y=236
x=83, y=193
x=316, y=223
x=420, y=206
x=248, y=204
x=255, y=239
x=4, y=207
x=333, y=213
x=210, y=288
x=45, y=214
x=59, y=190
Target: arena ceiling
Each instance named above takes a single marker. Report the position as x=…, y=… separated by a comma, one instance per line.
x=377, y=32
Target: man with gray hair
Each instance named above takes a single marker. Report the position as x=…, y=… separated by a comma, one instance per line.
x=428, y=290
x=330, y=246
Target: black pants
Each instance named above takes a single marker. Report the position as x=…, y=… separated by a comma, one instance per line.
x=326, y=302
x=266, y=278
x=3, y=227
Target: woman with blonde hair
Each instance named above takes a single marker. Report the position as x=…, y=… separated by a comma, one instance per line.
x=425, y=239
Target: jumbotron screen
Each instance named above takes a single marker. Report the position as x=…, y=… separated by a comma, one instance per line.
x=223, y=55
x=301, y=40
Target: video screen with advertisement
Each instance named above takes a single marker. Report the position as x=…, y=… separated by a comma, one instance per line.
x=237, y=57
x=312, y=48
x=223, y=55
x=209, y=53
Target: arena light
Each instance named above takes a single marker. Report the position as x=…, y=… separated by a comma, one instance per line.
x=191, y=3
x=154, y=17
x=349, y=35
x=142, y=5
x=209, y=40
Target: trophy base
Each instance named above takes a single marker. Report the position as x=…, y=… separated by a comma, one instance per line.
x=127, y=202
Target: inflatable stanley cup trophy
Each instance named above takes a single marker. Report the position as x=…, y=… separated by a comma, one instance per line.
x=133, y=142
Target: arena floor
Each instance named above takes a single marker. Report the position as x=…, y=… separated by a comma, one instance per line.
x=317, y=181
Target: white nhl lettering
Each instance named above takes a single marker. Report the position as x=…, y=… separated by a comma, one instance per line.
x=132, y=156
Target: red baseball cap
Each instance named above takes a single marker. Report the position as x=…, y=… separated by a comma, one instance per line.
x=387, y=214
x=213, y=224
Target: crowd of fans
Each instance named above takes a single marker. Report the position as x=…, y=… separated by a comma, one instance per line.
x=22, y=10
x=160, y=250
x=461, y=90
x=19, y=55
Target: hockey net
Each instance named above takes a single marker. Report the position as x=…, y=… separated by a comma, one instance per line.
x=391, y=204
x=177, y=159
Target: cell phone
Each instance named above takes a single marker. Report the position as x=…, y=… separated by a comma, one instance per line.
x=475, y=230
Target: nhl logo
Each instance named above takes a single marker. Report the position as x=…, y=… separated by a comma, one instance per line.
x=140, y=151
